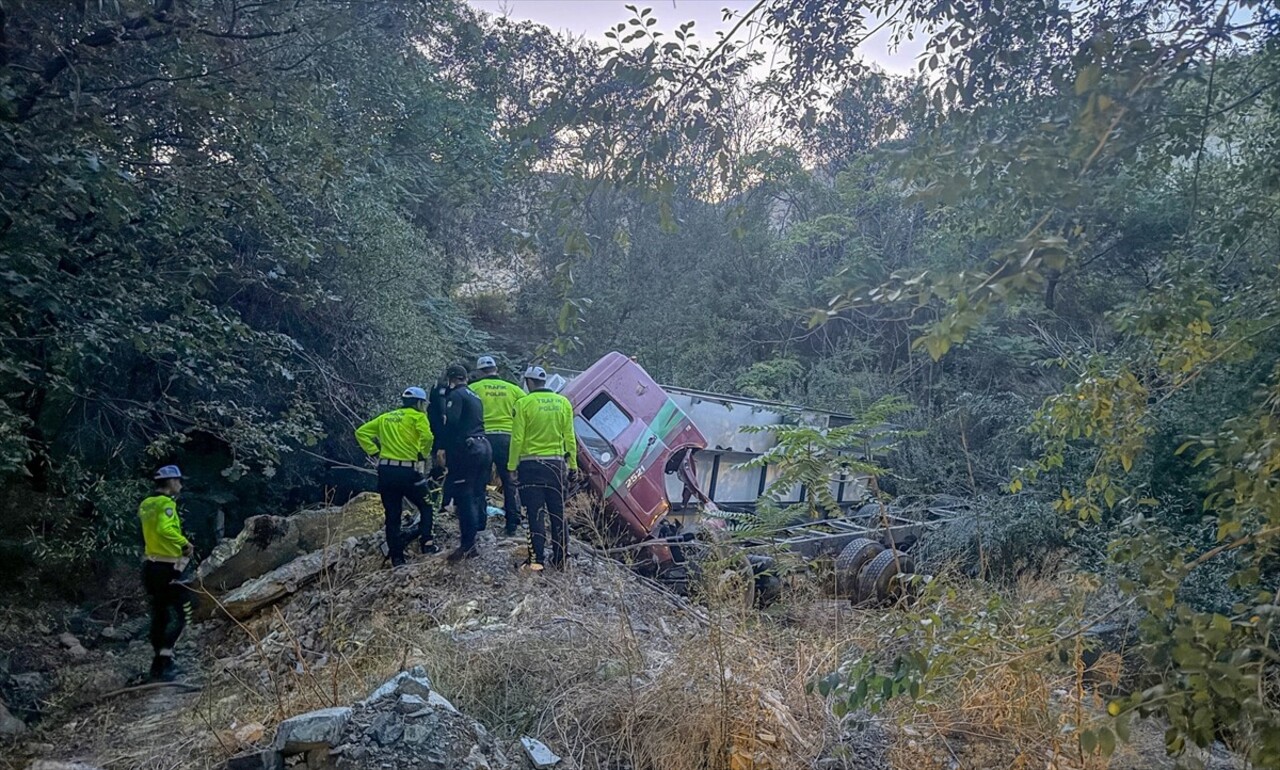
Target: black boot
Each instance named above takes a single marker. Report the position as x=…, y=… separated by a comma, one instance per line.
x=397, y=561
x=163, y=669
x=459, y=554
x=428, y=546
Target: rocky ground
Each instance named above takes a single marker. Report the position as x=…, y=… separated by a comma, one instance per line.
x=316, y=654
x=510, y=647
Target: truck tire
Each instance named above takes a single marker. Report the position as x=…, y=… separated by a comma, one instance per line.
x=850, y=562
x=768, y=586
x=875, y=584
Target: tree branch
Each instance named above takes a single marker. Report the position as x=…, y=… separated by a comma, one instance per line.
x=99, y=38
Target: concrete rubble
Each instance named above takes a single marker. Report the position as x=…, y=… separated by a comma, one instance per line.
x=393, y=727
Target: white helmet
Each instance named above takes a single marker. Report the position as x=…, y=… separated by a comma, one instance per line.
x=486, y=362
x=536, y=373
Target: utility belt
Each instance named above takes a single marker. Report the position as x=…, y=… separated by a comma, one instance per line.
x=179, y=562
x=399, y=463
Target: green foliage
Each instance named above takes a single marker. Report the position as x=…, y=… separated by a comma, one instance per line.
x=814, y=457
x=222, y=236
x=1069, y=208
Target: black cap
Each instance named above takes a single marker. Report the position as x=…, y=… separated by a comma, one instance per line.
x=456, y=372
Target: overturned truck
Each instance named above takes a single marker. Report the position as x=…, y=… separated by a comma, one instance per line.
x=640, y=445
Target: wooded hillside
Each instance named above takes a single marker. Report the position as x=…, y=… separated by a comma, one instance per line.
x=230, y=231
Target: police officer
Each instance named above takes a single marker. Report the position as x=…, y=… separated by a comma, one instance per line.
x=470, y=458
x=167, y=552
x=543, y=453
x=436, y=486
x=499, y=398
x=399, y=440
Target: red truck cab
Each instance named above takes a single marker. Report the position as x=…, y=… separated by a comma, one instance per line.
x=629, y=433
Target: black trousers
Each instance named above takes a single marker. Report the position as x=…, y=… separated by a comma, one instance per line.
x=395, y=484
x=542, y=483
x=469, y=469
x=170, y=604
x=501, y=444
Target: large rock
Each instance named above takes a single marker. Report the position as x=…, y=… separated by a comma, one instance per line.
x=269, y=542
x=279, y=583
x=9, y=724
x=313, y=730
x=330, y=526
x=265, y=543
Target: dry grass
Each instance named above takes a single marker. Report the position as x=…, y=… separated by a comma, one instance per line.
x=610, y=671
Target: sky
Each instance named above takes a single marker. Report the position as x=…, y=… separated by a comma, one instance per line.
x=590, y=19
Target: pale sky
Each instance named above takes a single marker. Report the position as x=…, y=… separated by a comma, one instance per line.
x=590, y=19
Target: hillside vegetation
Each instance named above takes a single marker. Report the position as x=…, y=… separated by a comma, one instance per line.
x=231, y=231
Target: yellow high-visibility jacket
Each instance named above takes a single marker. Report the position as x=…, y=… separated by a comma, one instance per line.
x=401, y=434
x=161, y=528
x=543, y=427
x=499, y=398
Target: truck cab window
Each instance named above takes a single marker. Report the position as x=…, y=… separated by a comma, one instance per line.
x=606, y=417
x=597, y=445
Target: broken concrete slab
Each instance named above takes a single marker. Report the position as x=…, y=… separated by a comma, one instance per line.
x=541, y=756
x=270, y=542
x=277, y=584
x=313, y=730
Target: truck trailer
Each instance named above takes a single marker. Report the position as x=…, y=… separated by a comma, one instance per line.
x=641, y=447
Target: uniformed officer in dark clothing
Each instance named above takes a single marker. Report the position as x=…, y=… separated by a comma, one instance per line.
x=436, y=485
x=470, y=458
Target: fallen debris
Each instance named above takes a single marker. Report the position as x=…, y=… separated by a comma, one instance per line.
x=539, y=754
x=269, y=542
x=313, y=730
x=412, y=682
x=10, y=725
x=394, y=727
x=282, y=581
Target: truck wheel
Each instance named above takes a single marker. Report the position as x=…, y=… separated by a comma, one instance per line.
x=768, y=586
x=850, y=561
x=876, y=581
